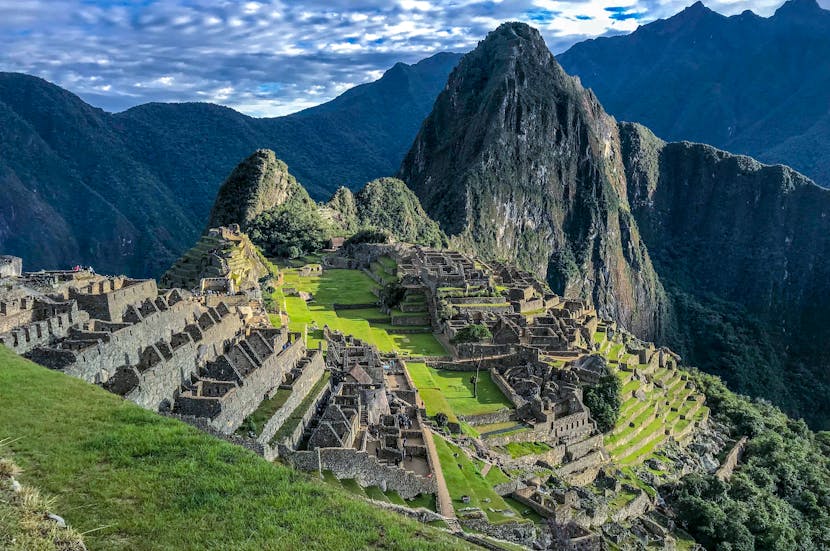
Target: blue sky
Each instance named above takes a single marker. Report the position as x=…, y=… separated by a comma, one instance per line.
x=272, y=57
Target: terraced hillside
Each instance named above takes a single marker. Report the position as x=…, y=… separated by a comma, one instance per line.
x=659, y=403
x=130, y=479
x=218, y=254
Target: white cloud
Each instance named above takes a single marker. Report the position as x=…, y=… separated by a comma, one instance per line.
x=269, y=57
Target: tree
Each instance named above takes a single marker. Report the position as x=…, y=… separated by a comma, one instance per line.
x=476, y=332
x=604, y=401
x=289, y=231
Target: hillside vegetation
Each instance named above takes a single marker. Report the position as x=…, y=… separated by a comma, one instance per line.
x=129, y=192
x=130, y=479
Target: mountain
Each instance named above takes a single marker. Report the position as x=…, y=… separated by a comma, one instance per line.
x=518, y=161
x=258, y=184
x=129, y=192
x=743, y=251
x=716, y=255
x=386, y=203
x=748, y=84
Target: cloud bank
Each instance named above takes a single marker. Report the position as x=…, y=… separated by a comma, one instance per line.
x=272, y=57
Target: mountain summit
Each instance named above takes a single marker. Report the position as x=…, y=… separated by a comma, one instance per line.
x=518, y=161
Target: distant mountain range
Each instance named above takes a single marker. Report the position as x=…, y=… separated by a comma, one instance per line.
x=749, y=84
x=129, y=192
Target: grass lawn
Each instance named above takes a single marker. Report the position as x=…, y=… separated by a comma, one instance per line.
x=520, y=449
x=369, y=324
x=257, y=420
x=464, y=478
x=132, y=479
x=456, y=390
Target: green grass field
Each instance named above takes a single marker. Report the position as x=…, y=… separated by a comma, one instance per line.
x=131, y=479
x=464, y=478
x=348, y=287
x=455, y=390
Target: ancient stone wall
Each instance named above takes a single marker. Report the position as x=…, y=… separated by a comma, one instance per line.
x=97, y=363
x=489, y=418
x=110, y=299
x=301, y=387
x=42, y=333
x=365, y=469
x=245, y=399
x=11, y=266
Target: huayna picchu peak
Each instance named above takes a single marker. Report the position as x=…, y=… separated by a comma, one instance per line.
x=519, y=162
x=550, y=329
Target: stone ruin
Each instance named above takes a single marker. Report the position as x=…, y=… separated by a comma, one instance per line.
x=370, y=425
x=549, y=401
x=203, y=357
x=10, y=266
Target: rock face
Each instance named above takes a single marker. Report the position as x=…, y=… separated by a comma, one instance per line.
x=518, y=161
x=758, y=84
x=747, y=244
x=259, y=183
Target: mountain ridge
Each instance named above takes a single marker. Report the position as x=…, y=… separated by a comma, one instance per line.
x=759, y=82
x=128, y=192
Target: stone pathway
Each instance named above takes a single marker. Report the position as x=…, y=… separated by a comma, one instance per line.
x=486, y=469
x=443, y=500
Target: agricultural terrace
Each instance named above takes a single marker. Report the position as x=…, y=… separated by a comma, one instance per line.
x=464, y=478
x=671, y=407
x=350, y=288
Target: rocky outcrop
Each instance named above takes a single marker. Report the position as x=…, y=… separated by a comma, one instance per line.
x=258, y=184
x=518, y=161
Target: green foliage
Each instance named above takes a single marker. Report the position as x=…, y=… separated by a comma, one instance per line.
x=289, y=231
x=604, y=401
x=369, y=235
x=475, y=332
x=386, y=205
x=777, y=499
x=392, y=294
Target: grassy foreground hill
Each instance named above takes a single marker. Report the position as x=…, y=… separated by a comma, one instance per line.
x=130, y=479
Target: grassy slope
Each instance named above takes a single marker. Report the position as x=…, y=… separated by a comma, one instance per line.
x=140, y=481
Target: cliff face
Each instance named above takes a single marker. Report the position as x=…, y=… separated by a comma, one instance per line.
x=747, y=244
x=259, y=183
x=519, y=162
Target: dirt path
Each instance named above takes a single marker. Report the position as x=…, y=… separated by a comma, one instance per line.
x=442, y=498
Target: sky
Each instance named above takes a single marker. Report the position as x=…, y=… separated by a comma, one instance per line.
x=274, y=57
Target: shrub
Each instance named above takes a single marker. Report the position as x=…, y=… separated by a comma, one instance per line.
x=475, y=332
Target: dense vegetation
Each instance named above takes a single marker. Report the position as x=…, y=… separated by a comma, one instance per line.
x=742, y=68
x=130, y=192
x=475, y=332
x=290, y=231
x=128, y=478
x=777, y=499
x=603, y=399
x=386, y=204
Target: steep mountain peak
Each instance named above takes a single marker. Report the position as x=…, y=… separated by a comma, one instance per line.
x=259, y=183
x=518, y=161
x=799, y=9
